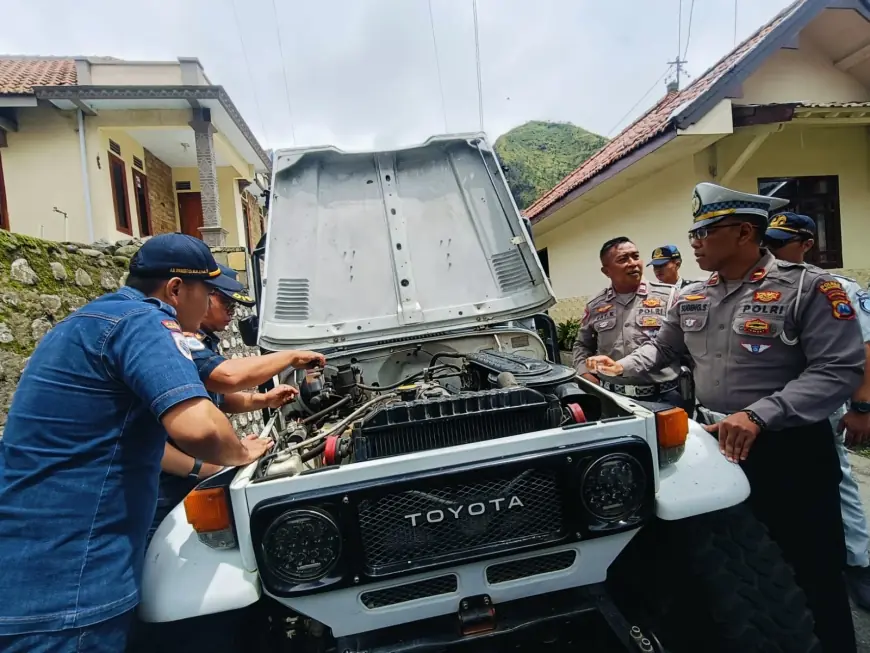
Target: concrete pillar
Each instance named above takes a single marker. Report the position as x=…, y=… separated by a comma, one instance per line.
x=203, y=133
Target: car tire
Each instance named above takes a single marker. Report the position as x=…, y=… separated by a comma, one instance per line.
x=715, y=583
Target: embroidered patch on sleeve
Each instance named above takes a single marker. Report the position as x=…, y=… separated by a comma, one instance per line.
x=181, y=344
x=842, y=309
x=194, y=343
x=830, y=286
x=766, y=296
x=172, y=325
x=864, y=300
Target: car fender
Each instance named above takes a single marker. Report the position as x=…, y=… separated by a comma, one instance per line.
x=701, y=481
x=184, y=578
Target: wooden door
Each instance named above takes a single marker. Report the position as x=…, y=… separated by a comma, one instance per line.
x=190, y=213
x=143, y=206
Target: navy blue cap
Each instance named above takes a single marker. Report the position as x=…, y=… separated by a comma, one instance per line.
x=175, y=255
x=228, y=284
x=665, y=254
x=787, y=226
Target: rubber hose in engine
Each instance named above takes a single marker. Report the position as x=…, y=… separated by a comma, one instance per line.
x=323, y=413
x=313, y=453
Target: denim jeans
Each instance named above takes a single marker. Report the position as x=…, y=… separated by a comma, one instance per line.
x=108, y=636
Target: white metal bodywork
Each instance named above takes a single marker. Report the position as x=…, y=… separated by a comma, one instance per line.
x=184, y=578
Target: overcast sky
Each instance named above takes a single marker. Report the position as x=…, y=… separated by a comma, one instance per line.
x=362, y=73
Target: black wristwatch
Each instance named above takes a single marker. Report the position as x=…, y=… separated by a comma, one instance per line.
x=862, y=407
x=194, y=473
x=755, y=419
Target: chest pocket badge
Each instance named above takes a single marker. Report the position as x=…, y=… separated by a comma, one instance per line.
x=693, y=322
x=649, y=321
x=604, y=325
x=757, y=326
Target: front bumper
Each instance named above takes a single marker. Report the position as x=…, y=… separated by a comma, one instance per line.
x=581, y=619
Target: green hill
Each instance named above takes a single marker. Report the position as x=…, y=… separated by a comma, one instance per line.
x=539, y=154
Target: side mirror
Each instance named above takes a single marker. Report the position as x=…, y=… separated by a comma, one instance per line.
x=249, y=327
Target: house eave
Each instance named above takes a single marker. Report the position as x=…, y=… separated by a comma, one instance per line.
x=190, y=94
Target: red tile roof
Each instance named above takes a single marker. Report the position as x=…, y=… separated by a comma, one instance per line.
x=18, y=75
x=656, y=120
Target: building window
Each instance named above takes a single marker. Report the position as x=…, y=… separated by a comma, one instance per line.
x=544, y=257
x=819, y=198
x=143, y=207
x=4, y=215
x=118, y=173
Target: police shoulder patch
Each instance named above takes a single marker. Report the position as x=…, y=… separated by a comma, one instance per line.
x=842, y=309
x=830, y=286
x=181, y=344
x=172, y=325
x=864, y=300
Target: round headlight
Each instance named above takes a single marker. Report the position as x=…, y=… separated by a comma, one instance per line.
x=613, y=487
x=302, y=545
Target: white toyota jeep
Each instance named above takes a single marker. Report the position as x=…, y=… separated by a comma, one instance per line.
x=444, y=483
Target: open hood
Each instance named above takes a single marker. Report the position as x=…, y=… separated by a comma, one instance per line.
x=366, y=247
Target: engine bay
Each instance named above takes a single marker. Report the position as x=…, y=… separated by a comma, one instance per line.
x=452, y=398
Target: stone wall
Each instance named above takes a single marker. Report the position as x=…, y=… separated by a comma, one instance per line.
x=41, y=282
x=161, y=195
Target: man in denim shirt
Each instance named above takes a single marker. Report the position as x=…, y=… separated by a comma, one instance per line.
x=224, y=380
x=81, y=452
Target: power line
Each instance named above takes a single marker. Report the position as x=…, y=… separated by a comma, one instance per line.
x=689, y=31
x=477, y=58
x=250, y=75
x=635, y=105
x=284, y=69
x=735, y=23
x=438, y=67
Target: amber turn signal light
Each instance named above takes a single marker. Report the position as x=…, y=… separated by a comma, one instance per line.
x=208, y=510
x=672, y=427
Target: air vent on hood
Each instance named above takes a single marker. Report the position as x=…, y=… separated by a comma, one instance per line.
x=511, y=271
x=292, y=301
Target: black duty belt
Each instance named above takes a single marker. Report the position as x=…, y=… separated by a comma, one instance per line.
x=640, y=391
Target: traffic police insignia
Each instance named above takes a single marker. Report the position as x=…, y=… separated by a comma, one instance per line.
x=181, y=344
x=652, y=303
x=696, y=204
x=766, y=296
x=172, y=325
x=694, y=298
x=758, y=275
x=756, y=327
x=658, y=253
x=778, y=221
x=753, y=348
x=864, y=301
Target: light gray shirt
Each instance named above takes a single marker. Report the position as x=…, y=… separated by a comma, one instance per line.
x=756, y=347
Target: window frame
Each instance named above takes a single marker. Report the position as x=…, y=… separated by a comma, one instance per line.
x=136, y=173
x=116, y=160
x=4, y=209
x=831, y=227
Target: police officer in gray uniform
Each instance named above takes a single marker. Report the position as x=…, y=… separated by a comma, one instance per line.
x=777, y=349
x=621, y=318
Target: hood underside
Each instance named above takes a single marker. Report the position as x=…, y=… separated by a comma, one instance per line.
x=364, y=247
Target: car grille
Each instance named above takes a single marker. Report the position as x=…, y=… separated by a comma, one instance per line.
x=504, y=572
x=425, y=526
